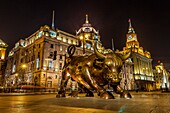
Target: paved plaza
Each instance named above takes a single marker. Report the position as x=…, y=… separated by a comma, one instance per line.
x=140, y=103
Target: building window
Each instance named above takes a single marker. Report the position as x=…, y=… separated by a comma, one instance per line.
x=49, y=83
x=60, y=66
x=51, y=55
x=66, y=39
x=88, y=46
x=71, y=41
x=61, y=57
x=40, y=34
x=76, y=52
x=56, y=76
x=39, y=45
x=60, y=47
x=21, y=60
x=51, y=46
x=95, y=37
x=37, y=62
x=50, y=64
x=13, y=68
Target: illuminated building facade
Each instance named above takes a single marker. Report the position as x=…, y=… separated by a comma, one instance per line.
x=87, y=34
x=142, y=62
x=3, y=47
x=43, y=53
x=161, y=76
x=127, y=81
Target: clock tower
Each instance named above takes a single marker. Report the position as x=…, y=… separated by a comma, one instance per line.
x=141, y=64
x=131, y=37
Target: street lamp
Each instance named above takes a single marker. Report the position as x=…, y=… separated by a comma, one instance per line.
x=82, y=38
x=22, y=71
x=16, y=78
x=23, y=66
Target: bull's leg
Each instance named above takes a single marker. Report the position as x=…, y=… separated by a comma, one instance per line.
x=63, y=85
x=79, y=80
x=100, y=90
x=123, y=93
x=87, y=91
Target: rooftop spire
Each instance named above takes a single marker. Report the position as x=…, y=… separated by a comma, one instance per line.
x=130, y=25
x=87, y=20
x=53, y=20
x=113, y=45
x=131, y=30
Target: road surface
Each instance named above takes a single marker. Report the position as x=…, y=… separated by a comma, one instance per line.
x=49, y=104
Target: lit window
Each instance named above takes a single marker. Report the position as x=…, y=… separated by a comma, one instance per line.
x=40, y=34
x=14, y=68
x=50, y=64
x=60, y=48
x=95, y=37
x=37, y=62
x=52, y=34
x=22, y=43
x=88, y=46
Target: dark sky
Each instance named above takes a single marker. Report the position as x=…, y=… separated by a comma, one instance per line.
x=150, y=19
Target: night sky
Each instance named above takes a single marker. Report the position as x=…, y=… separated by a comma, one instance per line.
x=150, y=19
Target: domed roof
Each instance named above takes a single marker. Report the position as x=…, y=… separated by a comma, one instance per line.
x=131, y=29
x=86, y=28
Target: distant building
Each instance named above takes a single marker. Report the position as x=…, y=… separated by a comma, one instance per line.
x=142, y=62
x=127, y=81
x=3, y=47
x=43, y=53
x=161, y=76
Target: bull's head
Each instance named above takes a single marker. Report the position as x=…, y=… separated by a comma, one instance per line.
x=112, y=64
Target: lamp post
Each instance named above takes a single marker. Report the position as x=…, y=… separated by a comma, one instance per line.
x=16, y=78
x=83, y=41
x=23, y=66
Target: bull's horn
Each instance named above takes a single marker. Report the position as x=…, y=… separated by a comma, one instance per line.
x=126, y=56
x=98, y=54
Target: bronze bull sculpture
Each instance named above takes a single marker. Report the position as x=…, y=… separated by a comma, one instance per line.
x=93, y=72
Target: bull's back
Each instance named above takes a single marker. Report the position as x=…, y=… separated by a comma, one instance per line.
x=75, y=60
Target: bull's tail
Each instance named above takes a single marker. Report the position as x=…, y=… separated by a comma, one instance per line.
x=71, y=50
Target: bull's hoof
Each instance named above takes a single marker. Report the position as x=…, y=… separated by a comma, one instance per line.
x=106, y=95
x=73, y=94
x=60, y=94
x=128, y=95
x=90, y=94
x=125, y=95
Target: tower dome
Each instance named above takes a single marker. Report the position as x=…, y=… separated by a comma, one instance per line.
x=88, y=32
